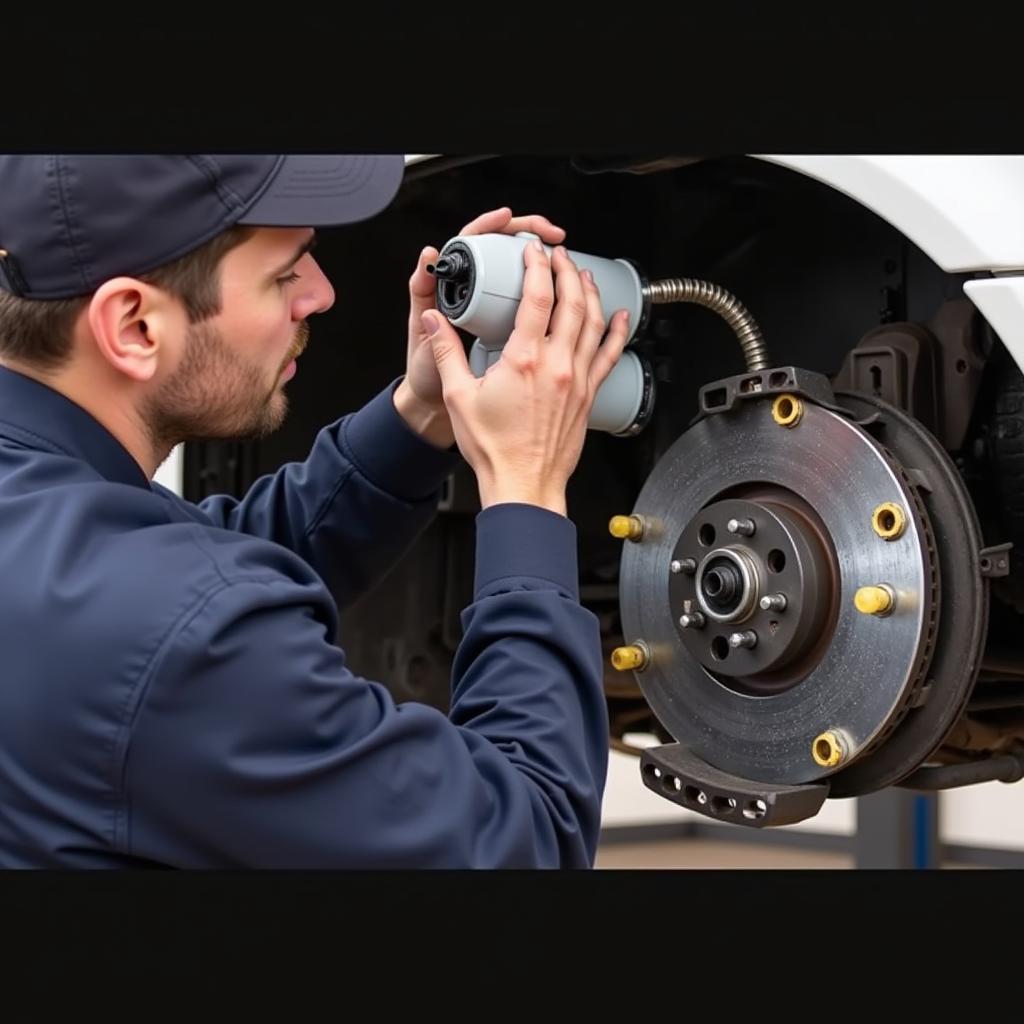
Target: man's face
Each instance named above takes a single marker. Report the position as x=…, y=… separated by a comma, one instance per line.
x=229, y=381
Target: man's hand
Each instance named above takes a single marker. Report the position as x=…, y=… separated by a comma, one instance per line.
x=522, y=425
x=418, y=397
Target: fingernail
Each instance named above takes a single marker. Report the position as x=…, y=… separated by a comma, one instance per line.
x=538, y=246
x=430, y=323
x=587, y=276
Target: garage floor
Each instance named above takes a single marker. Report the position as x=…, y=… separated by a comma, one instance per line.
x=710, y=853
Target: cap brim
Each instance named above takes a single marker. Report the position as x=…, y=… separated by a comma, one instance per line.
x=322, y=191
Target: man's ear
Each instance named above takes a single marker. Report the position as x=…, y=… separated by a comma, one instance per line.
x=131, y=323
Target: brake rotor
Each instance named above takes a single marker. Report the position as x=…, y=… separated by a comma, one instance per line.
x=963, y=597
x=742, y=588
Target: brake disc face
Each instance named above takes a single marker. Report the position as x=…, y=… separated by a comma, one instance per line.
x=758, y=537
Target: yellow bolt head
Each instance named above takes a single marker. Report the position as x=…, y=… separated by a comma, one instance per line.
x=626, y=658
x=787, y=410
x=827, y=750
x=626, y=527
x=889, y=520
x=873, y=600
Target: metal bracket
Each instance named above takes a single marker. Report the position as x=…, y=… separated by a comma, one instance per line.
x=679, y=775
x=1006, y=767
x=722, y=395
x=994, y=561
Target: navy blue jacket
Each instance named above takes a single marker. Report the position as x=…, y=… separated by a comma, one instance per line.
x=171, y=693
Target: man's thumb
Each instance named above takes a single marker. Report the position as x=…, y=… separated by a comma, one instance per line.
x=449, y=354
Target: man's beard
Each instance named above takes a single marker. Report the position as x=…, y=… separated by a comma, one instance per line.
x=215, y=394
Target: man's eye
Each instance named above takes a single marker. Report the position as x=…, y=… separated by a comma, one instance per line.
x=288, y=279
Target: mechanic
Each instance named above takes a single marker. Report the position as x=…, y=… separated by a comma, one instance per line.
x=172, y=693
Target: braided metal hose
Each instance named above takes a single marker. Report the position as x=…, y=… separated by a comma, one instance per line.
x=724, y=303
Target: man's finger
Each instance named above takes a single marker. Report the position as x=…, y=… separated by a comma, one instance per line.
x=422, y=285
x=502, y=221
x=493, y=220
x=534, y=312
x=538, y=225
x=449, y=355
x=609, y=352
x=570, y=305
x=593, y=325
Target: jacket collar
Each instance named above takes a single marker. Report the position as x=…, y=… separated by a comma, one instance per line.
x=36, y=415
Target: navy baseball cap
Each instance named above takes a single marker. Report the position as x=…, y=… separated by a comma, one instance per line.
x=69, y=223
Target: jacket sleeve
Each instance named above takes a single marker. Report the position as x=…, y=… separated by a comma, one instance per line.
x=369, y=486
x=255, y=745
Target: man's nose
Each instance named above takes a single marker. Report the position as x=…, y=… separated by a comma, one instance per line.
x=318, y=295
